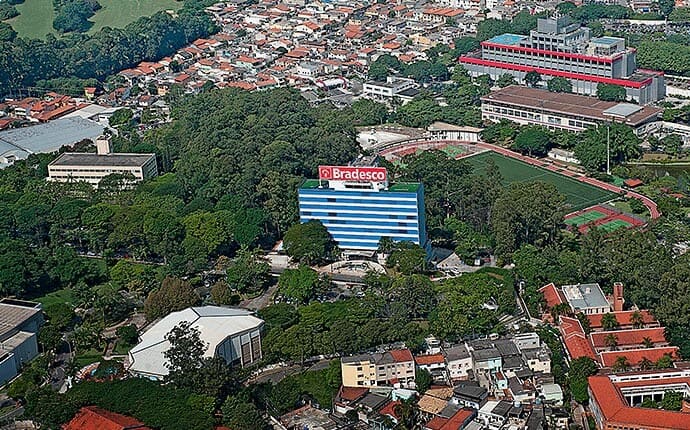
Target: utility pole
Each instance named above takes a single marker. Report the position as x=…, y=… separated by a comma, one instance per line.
x=608, y=149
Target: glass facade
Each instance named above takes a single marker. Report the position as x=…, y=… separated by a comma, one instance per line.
x=358, y=219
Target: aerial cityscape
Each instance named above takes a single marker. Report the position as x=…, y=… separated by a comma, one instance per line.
x=344, y=215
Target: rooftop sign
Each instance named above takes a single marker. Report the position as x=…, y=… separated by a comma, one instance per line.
x=351, y=173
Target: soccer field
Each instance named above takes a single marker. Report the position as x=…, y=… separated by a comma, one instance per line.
x=577, y=194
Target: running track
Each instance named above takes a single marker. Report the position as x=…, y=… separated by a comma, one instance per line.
x=548, y=165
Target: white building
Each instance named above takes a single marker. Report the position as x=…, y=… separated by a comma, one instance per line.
x=443, y=131
x=92, y=168
x=459, y=362
x=19, y=324
x=232, y=334
x=393, y=87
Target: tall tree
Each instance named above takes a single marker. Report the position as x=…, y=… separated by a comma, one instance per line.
x=309, y=243
x=173, y=295
x=184, y=358
x=559, y=85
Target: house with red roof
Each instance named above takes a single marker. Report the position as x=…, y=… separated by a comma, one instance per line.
x=576, y=342
x=435, y=364
x=95, y=418
x=626, y=320
x=615, y=400
x=628, y=339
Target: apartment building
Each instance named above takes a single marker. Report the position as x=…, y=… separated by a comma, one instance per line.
x=391, y=368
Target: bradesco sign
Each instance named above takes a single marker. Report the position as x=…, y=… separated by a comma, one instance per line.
x=349, y=173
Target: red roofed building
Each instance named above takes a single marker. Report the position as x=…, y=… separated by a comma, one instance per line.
x=95, y=418
x=389, y=410
x=575, y=340
x=613, y=399
x=625, y=319
x=435, y=364
x=552, y=295
x=395, y=367
x=635, y=356
x=629, y=339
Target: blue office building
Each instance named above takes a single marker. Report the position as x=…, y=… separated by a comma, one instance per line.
x=359, y=214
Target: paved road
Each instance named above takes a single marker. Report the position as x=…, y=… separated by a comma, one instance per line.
x=262, y=301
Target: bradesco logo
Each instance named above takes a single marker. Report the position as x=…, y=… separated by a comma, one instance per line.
x=349, y=173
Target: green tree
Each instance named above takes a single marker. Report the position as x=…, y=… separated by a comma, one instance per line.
x=621, y=364
x=665, y=362
x=128, y=334
x=121, y=116
x=505, y=80
x=299, y=284
x=309, y=243
x=173, y=295
x=636, y=319
x=581, y=369
x=241, y=414
x=532, y=78
x=666, y=8
x=609, y=322
x=527, y=213
x=249, y=271
x=221, y=294
x=423, y=380
x=408, y=258
x=672, y=400
x=533, y=141
x=491, y=27
x=611, y=92
x=559, y=85
x=465, y=44
x=369, y=112
x=184, y=358
x=673, y=144
x=591, y=150
x=611, y=341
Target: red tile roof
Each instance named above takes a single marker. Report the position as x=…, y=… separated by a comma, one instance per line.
x=352, y=393
x=623, y=318
x=436, y=423
x=552, y=295
x=422, y=360
x=635, y=356
x=617, y=412
x=95, y=418
x=575, y=340
x=401, y=355
x=389, y=409
x=459, y=420
x=629, y=337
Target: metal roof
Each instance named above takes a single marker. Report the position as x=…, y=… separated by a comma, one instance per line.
x=583, y=296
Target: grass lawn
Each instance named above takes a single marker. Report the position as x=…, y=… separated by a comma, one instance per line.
x=35, y=19
x=87, y=357
x=59, y=296
x=119, y=13
x=122, y=348
x=577, y=194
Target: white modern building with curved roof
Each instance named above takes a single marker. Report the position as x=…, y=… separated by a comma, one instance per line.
x=229, y=333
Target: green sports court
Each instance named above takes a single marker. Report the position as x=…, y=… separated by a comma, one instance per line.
x=578, y=195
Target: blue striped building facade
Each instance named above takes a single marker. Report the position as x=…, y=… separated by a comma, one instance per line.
x=358, y=218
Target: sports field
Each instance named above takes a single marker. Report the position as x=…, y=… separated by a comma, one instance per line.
x=614, y=225
x=585, y=218
x=35, y=18
x=578, y=195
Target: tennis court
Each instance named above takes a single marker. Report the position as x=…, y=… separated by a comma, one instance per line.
x=578, y=195
x=614, y=225
x=585, y=218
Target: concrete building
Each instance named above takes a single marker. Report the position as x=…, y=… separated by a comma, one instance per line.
x=459, y=360
x=231, y=334
x=395, y=367
x=560, y=48
x=569, y=112
x=443, y=131
x=393, y=87
x=586, y=298
x=19, y=324
x=92, y=168
x=359, y=207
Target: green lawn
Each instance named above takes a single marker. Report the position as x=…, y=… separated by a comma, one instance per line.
x=35, y=19
x=84, y=358
x=59, y=296
x=577, y=194
x=119, y=13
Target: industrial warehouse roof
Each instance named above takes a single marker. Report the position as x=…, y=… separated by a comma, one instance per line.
x=48, y=137
x=14, y=313
x=215, y=324
x=93, y=159
x=573, y=104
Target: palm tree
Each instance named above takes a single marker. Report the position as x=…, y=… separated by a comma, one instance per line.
x=622, y=364
x=609, y=322
x=637, y=320
x=646, y=364
x=611, y=341
x=647, y=342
